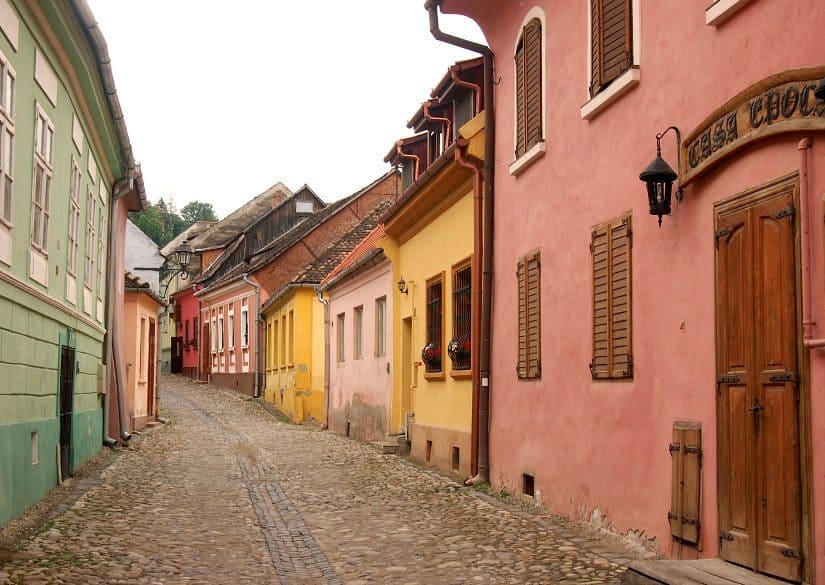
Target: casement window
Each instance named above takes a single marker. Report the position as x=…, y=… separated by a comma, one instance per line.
x=339, y=337
x=214, y=336
x=269, y=358
x=435, y=319
x=42, y=191
x=91, y=207
x=195, y=331
x=74, y=219
x=101, y=251
x=528, y=65
x=528, y=274
x=357, y=332
x=612, y=301
x=290, y=357
x=462, y=311
x=7, y=88
x=142, y=343
x=275, y=344
x=231, y=330
x=244, y=327
x=283, y=341
x=220, y=333
x=381, y=327
x=186, y=331
x=611, y=41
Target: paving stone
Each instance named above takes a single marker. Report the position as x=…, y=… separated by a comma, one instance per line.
x=227, y=494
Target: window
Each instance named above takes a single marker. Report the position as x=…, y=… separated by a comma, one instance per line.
x=275, y=346
x=283, y=340
x=611, y=41
x=142, y=350
x=435, y=294
x=339, y=337
x=269, y=358
x=220, y=332
x=244, y=327
x=101, y=251
x=357, y=332
x=7, y=86
x=528, y=273
x=91, y=206
x=528, y=65
x=610, y=247
x=74, y=219
x=214, y=336
x=381, y=327
x=186, y=331
x=231, y=330
x=42, y=192
x=290, y=339
x=195, y=332
x=462, y=311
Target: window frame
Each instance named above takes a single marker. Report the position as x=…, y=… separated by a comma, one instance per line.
x=290, y=337
x=358, y=332
x=89, y=267
x=73, y=234
x=441, y=279
x=220, y=332
x=456, y=269
x=101, y=251
x=340, y=323
x=7, y=141
x=537, y=150
x=381, y=326
x=244, y=327
x=44, y=135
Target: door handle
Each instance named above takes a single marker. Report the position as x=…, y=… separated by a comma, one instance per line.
x=756, y=409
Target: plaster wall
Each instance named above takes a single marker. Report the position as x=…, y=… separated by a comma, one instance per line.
x=189, y=311
x=599, y=449
x=361, y=389
x=141, y=311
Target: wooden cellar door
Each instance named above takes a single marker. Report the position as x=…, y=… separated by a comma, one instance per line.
x=757, y=401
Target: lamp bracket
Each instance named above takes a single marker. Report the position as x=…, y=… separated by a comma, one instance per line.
x=679, y=191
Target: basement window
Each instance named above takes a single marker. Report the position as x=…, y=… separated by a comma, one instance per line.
x=35, y=450
x=456, y=457
x=429, y=453
x=528, y=485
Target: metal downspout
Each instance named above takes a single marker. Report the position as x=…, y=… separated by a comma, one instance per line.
x=110, y=355
x=325, y=302
x=484, y=389
x=256, y=389
x=805, y=211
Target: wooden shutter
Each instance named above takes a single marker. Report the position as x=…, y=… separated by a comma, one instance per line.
x=612, y=300
x=176, y=312
x=529, y=311
x=686, y=482
x=528, y=88
x=611, y=33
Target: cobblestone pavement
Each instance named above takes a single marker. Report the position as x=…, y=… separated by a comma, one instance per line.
x=227, y=494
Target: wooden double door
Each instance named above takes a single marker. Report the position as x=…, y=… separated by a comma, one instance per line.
x=760, y=503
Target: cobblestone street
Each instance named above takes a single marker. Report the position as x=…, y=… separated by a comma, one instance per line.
x=227, y=494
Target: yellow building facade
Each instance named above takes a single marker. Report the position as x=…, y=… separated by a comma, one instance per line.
x=429, y=241
x=294, y=327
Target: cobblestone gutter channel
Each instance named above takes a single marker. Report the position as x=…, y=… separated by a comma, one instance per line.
x=295, y=554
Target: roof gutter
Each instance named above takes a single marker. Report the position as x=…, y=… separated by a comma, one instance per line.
x=104, y=64
x=481, y=383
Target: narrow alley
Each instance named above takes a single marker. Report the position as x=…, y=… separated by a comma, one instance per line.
x=225, y=493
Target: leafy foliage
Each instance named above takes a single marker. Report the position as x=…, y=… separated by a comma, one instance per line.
x=198, y=211
x=162, y=223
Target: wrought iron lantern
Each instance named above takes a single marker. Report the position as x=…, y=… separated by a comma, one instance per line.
x=177, y=265
x=659, y=178
x=402, y=286
x=184, y=255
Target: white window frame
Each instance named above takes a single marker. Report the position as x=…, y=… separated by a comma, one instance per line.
x=73, y=234
x=538, y=149
x=8, y=84
x=340, y=323
x=358, y=332
x=244, y=327
x=381, y=327
x=101, y=251
x=89, y=268
x=213, y=339
x=231, y=323
x=41, y=202
x=627, y=80
x=220, y=333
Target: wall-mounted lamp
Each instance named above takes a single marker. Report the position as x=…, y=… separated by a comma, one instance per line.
x=819, y=92
x=176, y=265
x=659, y=177
x=402, y=286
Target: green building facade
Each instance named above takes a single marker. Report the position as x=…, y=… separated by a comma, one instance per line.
x=60, y=156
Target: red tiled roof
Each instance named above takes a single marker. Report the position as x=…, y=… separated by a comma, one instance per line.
x=363, y=248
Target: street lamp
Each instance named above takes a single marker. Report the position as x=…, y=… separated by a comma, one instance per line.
x=659, y=177
x=176, y=265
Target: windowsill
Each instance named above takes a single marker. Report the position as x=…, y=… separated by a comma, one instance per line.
x=620, y=86
x=461, y=374
x=528, y=158
x=435, y=376
x=721, y=10
x=6, y=224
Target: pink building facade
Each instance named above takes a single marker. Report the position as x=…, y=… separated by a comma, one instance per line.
x=187, y=328
x=678, y=393
x=360, y=386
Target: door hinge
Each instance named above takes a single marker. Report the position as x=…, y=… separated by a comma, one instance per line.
x=691, y=521
x=792, y=553
x=789, y=377
x=674, y=447
x=721, y=234
x=693, y=449
x=725, y=536
x=789, y=211
x=671, y=515
x=592, y=248
x=728, y=379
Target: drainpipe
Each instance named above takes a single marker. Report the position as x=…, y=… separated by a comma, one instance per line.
x=484, y=389
x=469, y=85
x=805, y=207
x=110, y=356
x=445, y=121
x=324, y=301
x=414, y=157
x=256, y=390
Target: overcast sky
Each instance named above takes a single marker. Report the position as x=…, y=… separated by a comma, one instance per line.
x=223, y=100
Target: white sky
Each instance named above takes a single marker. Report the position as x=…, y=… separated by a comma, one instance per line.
x=224, y=99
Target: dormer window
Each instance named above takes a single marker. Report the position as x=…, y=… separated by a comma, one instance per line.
x=303, y=207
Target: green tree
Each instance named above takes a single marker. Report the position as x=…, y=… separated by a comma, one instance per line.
x=197, y=211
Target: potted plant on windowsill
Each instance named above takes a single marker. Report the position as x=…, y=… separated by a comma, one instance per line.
x=459, y=351
x=431, y=357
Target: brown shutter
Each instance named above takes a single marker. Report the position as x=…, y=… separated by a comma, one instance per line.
x=521, y=368
x=532, y=73
x=612, y=300
x=686, y=489
x=176, y=313
x=600, y=248
x=520, y=96
x=533, y=279
x=611, y=41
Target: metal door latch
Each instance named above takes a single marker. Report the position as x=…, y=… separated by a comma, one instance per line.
x=783, y=378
